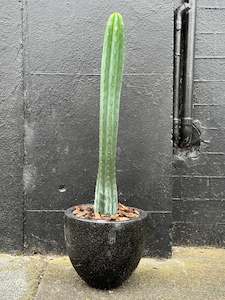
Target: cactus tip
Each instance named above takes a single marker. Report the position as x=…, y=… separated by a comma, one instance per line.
x=116, y=14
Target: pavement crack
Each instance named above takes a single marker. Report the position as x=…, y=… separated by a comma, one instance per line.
x=35, y=271
x=41, y=275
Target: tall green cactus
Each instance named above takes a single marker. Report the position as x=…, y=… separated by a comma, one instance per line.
x=106, y=197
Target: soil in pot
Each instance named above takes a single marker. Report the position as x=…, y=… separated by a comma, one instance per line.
x=124, y=213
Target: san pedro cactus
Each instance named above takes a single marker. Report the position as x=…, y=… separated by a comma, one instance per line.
x=106, y=196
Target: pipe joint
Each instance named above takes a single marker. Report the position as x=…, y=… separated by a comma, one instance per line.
x=176, y=121
x=180, y=10
x=187, y=121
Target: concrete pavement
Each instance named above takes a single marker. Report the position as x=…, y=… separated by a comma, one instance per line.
x=191, y=274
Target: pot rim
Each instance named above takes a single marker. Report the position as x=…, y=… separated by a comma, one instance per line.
x=69, y=214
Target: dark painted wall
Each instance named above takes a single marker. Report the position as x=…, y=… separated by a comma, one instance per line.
x=63, y=41
x=11, y=127
x=199, y=184
x=59, y=67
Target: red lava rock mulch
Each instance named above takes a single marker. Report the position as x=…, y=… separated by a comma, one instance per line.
x=124, y=213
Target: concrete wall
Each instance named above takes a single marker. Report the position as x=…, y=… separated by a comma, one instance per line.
x=56, y=111
x=199, y=184
x=11, y=127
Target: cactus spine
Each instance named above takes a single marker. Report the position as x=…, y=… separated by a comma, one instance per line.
x=106, y=197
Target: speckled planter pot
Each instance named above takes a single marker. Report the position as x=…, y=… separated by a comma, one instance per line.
x=104, y=253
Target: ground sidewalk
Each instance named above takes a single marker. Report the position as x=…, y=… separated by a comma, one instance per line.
x=192, y=273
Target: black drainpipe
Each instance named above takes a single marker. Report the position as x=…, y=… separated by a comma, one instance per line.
x=187, y=120
x=177, y=70
x=184, y=131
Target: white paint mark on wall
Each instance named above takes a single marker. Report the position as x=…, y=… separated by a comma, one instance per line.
x=29, y=133
x=29, y=177
x=66, y=149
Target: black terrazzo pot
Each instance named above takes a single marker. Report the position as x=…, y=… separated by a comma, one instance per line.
x=104, y=253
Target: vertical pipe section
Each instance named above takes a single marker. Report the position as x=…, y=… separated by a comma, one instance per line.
x=177, y=70
x=189, y=73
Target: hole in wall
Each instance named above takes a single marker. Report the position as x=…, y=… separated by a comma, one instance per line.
x=62, y=188
x=192, y=147
x=183, y=154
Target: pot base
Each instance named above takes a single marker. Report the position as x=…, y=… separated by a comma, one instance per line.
x=107, y=279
